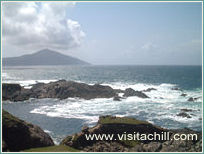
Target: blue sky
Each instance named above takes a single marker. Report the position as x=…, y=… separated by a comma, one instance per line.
x=130, y=33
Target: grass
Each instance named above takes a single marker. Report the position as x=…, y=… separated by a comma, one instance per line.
x=129, y=143
x=56, y=148
x=120, y=120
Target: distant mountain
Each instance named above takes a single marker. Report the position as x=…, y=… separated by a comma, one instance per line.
x=42, y=57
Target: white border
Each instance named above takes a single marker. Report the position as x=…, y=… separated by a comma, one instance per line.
x=105, y=2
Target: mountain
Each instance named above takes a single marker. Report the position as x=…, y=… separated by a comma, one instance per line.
x=42, y=57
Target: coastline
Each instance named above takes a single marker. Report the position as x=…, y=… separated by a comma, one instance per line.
x=106, y=125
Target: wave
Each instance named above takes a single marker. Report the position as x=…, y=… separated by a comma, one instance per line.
x=29, y=83
x=163, y=105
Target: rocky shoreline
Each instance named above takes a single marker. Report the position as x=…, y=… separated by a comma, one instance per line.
x=19, y=135
x=63, y=89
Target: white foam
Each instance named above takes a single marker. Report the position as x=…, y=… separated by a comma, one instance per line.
x=28, y=83
x=164, y=103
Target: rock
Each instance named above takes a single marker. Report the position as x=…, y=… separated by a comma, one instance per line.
x=112, y=125
x=61, y=89
x=19, y=135
x=191, y=99
x=183, y=94
x=176, y=88
x=119, y=125
x=103, y=146
x=85, y=129
x=117, y=98
x=183, y=145
x=183, y=114
x=186, y=110
x=131, y=92
x=149, y=89
x=14, y=92
x=152, y=147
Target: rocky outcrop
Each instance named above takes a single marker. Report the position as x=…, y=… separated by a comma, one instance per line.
x=14, y=92
x=183, y=94
x=63, y=89
x=184, y=115
x=60, y=89
x=19, y=135
x=149, y=89
x=192, y=99
x=187, y=110
x=131, y=92
x=176, y=88
x=112, y=125
x=117, y=98
x=117, y=125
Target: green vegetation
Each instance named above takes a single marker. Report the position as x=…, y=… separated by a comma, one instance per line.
x=56, y=148
x=129, y=143
x=120, y=120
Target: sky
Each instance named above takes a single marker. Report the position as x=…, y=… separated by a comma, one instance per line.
x=106, y=33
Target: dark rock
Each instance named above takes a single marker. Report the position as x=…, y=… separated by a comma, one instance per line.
x=117, y=98
x=176, y=88
x=149, y=89
x=183, y=94
x=183, y=114
x=60, y=89
x=187, y=110
x=188, y=145
x=112, y=125
x=131, y=92
x=14, y=92
x=191, y=99
x=85, y=129
x=117, y=125
x=103, y=146
x=19, y=135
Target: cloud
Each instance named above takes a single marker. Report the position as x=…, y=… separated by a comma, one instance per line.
x=149, y=46
x=35, y=25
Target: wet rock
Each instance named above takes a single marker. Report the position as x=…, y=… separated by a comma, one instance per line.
x=184, y=95
x=149, y=89
x=61, y=89
x=13, y=92
x=183, y=114
x=192, y=99
x=19, y=135
x=117, y=98
x=187, y=110
x=176, y=88
x=131, y=92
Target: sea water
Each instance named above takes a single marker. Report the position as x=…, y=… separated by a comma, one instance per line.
x=60, y=118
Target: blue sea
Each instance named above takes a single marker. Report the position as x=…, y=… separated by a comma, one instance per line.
x=60, y=118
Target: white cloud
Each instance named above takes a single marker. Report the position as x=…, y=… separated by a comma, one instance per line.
x=35, y=25
x=149, y=46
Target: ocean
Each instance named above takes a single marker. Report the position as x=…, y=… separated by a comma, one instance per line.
x=60, y=118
